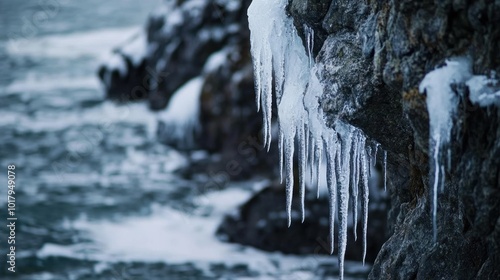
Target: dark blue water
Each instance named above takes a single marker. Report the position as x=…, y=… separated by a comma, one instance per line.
x=96, y=194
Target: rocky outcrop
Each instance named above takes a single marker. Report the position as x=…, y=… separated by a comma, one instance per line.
x=378, y=52
x=187, y=39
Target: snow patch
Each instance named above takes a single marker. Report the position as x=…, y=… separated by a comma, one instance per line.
x=135, y=49
x=182, y=114
x=484, y=91
x=215, y=60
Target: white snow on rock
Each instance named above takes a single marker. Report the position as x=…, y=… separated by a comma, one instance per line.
x=135, y=49
x=281, y=61
x=182, y=114
x=484, y=91
x=441, y=100
x=114, y=61
x=216, y=60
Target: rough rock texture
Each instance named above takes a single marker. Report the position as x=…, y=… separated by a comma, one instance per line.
x=378, y=52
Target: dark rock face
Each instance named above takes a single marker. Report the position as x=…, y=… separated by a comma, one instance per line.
x=377, y=52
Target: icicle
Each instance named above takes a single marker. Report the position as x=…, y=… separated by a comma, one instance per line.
x=302, y=169
x=364, y=192
x=369, y=159
x=309, y=34
x=258, y=74
x=289, y=147
x=331, y=180
x=343, y=195
x=435, y=189
x=266, y=98
x=319, y=156
x=442, y=104
x=355, y=184
x=385, y=170
x=281, y=154
x=307, y=149
x=312, y=160
x=375, y=155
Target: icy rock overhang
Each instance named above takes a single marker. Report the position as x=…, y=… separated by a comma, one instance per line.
x=281, y=62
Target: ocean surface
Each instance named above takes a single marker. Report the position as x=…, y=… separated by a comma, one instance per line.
x=97, y=196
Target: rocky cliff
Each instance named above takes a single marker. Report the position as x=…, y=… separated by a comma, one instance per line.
x=378, y=52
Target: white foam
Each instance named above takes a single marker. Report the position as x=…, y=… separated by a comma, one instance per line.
x=35, y=83
x=90, y=43
x=176, y=237
x=105, y=115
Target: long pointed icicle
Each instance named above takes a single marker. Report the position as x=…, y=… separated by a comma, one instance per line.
x=331, y=180
x=281, y=153
x=266, y=96
x=364, y=192
x=289, y=147
x=318, y=154
x=302, y=169
x=312, y=160
x=343, y=195
x=355, y=184
x=258, y=73
x=435, y=190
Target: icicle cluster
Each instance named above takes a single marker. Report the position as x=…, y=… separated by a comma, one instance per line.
x=282, y=62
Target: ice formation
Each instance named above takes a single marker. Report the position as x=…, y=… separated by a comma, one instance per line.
x=442, y=104
x=281, y=61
